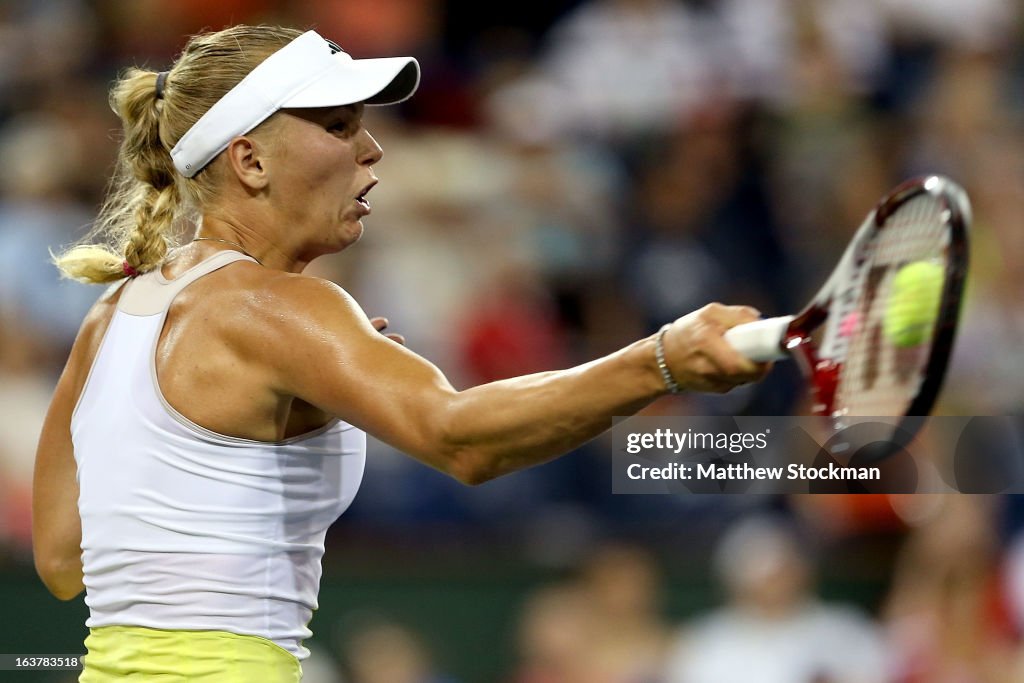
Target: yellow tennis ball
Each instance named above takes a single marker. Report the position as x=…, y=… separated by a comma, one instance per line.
x=913, y=303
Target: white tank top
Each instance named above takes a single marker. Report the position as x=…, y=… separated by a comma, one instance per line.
x=183, y=528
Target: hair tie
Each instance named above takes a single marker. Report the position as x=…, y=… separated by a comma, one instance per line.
x=128, y=270
x=161, y=80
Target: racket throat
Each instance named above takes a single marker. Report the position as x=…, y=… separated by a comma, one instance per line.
x=824, y=374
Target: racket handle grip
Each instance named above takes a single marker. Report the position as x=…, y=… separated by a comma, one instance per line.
x=760, y=340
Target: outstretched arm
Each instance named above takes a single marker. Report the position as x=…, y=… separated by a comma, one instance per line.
x=326, y=352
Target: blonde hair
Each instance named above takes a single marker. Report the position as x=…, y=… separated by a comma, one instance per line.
x=147, y=199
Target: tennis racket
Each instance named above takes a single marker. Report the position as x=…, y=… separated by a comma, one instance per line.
x=853, y=367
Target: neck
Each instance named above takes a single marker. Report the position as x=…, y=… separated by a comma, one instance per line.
x=217, y=230
x=237, y=246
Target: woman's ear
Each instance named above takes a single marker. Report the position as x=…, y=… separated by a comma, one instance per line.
x=247, y=160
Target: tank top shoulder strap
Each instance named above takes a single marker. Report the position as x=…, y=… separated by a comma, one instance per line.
x=152, y=293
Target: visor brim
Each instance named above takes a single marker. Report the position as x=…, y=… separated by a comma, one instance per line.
x=387, y=80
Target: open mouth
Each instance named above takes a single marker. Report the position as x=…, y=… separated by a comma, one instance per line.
x=361, y=198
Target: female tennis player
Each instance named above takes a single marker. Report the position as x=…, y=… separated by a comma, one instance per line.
x=209, y=424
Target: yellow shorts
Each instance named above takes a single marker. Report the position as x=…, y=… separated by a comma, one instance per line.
x=135, y=653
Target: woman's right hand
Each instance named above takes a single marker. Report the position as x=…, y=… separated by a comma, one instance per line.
x=699, y=357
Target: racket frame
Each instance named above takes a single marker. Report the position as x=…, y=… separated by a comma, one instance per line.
x=817, y=361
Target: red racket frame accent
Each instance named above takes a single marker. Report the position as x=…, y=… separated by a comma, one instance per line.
x=824, y=373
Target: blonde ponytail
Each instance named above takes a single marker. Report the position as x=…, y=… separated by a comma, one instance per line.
x=147, y=200
x=138, y=214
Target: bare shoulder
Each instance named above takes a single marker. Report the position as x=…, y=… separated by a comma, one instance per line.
x=283, y=325
x=251, y=294
x=266, y=312
x=296, y=299
x=105, y=306
x=87, y=343
x=314, y=292
x=96, y=321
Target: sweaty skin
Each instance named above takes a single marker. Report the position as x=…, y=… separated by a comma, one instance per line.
x=264, y=352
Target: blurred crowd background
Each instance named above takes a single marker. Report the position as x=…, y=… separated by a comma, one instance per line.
x=571, y=175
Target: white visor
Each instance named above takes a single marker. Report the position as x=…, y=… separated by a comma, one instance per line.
x=307, y=72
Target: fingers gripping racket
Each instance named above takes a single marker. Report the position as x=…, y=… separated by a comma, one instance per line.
x=886, y=318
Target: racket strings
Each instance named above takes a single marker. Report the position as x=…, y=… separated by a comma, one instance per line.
x=878, y=377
